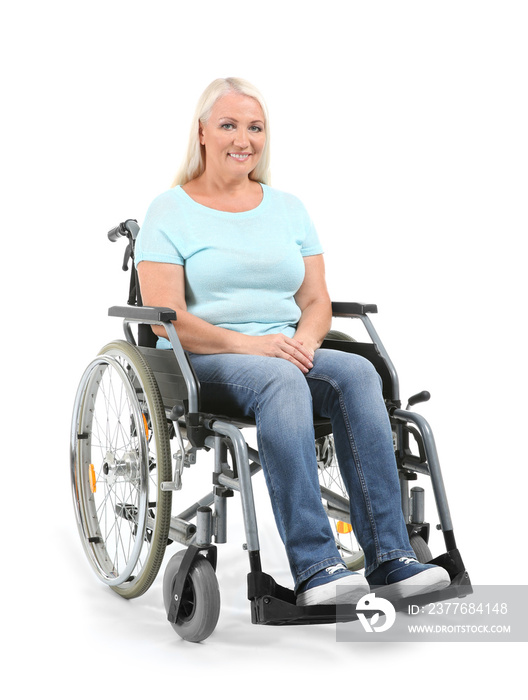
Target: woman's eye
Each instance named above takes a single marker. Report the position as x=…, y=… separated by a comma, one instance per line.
x=254, y=128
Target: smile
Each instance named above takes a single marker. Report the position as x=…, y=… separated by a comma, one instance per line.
x=240, y=156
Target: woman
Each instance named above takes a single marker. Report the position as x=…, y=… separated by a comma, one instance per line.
x=242, y=266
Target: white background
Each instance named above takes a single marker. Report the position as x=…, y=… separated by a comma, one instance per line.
x=402, y=126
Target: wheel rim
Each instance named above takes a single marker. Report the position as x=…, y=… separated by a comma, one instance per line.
x=188, y=602
x=110, y=457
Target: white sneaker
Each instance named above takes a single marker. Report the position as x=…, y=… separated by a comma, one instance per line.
x=405, y=577
x=322, y=587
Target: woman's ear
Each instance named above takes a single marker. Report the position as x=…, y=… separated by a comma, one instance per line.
x=200, y=133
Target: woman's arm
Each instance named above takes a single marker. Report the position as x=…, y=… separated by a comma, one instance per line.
x=314, y=301
x=163, y=284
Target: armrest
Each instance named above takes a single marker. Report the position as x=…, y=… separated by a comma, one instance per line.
x=144, y=314
x=345, y=308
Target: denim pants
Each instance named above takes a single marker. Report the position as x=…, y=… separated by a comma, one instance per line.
x=346, y=389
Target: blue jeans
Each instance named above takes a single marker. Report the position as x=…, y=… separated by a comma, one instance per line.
x=346, y=389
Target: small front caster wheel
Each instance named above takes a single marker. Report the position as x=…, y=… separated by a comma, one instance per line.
x=200, y=605
x=421, y=549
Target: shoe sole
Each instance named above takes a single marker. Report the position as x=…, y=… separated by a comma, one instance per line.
x=340, y=592
x=427, y=581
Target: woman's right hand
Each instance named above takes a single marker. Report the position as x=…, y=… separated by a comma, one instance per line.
x=280, y=345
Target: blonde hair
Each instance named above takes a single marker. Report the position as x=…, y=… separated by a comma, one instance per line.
x=194, y=162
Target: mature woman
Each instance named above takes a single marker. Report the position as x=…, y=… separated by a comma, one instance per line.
x=242, y=266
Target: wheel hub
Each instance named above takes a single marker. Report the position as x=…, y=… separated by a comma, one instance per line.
x=125, y=468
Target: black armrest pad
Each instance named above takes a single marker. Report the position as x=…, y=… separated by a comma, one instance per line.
x=345, y=308
x=146, y=314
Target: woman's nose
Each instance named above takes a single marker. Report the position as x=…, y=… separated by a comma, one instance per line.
x=241, y=139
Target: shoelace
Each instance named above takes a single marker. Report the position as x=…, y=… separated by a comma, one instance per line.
x=331, y=570
x=407, y=560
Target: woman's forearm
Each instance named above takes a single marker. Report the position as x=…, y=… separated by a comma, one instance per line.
x=314, y=323
x=201, y=337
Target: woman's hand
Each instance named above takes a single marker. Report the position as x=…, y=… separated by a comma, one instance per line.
x=279, y=345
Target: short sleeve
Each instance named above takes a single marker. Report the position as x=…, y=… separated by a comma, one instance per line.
x=311, y=244
x=157, y=237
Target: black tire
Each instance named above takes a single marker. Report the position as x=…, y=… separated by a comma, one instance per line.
x=200, y=605
x=338, y=335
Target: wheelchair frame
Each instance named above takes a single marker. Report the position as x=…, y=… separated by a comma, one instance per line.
x=271, y=604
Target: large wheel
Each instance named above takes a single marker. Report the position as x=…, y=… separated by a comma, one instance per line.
x=200, y=605
x=120, y=455
x=338, y=335
x=330, y=478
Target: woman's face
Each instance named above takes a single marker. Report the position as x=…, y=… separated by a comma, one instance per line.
x=234, y=136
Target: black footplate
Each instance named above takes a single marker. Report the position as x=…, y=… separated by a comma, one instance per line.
x=272, y=604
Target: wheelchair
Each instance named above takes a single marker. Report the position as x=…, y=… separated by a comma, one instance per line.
x=137, y=431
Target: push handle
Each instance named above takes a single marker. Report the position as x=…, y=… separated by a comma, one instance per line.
x=127, y=228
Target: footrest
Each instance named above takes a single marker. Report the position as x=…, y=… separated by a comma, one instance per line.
x=272, y=604
x=452, y=562
x=268, y=610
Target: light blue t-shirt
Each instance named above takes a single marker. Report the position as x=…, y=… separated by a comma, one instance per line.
x=242, y=270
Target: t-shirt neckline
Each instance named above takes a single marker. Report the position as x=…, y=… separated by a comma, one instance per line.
x=220, y=212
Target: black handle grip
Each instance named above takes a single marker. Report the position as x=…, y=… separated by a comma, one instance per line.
x=128, y=228
x=116, y=233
